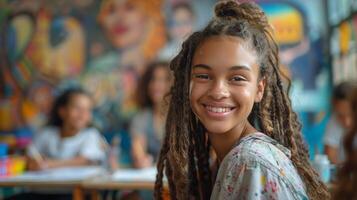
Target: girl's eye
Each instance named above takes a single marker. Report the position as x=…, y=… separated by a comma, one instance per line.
x=202, y=76
x=238, y=78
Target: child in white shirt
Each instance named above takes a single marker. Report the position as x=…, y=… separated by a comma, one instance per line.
x=68, y=141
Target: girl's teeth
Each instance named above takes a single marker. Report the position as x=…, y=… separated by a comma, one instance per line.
x=218, y=109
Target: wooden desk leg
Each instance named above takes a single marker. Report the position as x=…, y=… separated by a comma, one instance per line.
x=94, y=195
x=166, y=194
x=77, y=193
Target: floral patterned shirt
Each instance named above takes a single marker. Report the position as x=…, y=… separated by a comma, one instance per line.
x=258, y=167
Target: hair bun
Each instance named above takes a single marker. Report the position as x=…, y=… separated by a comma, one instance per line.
x=227, y=9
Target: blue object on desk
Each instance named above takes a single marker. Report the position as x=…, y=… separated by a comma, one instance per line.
x=3, y=149
x=23, y=132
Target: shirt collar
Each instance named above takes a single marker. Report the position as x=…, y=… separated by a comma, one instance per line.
x=265, y=138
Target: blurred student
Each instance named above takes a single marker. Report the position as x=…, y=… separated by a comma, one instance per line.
x=347, y=176
x=147, y=127
x=339, y=123
x=68, y=140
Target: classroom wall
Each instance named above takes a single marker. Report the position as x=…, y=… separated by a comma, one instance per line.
x=47, y=46
x=304, y=56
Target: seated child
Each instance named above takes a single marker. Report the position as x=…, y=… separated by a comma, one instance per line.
x=347, y=175
x=339, y=123
x=147, y=126
x=67, y=140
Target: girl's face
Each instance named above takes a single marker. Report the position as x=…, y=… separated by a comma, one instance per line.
x=77, y=114
x=224, y=83
x=124, y=23
x=159, y=85
x=343, y=112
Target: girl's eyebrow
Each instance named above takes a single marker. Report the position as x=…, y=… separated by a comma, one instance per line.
x=233, y=68
x=240, y=67
x=201, y=66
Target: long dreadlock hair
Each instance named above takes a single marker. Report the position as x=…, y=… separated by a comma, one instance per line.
x=347, y=175
x=184, y=154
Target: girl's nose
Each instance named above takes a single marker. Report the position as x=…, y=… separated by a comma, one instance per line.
x=219, y=90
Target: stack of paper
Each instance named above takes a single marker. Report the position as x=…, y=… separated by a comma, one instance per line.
x=131, y=175
x=59, y=174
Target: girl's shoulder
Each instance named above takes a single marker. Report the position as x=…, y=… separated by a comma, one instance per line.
x=48, y=131
x=260, y=150
x=258, y=157
x=90, y=132
x=142, y=116
x=86, y=135
x=146, y=112
x=260, y=146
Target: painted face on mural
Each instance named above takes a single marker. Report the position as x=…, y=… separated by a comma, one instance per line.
x=124, y=23
x=57, y=48
x=182, y=23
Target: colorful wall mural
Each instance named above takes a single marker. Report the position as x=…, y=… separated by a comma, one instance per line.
x=303, y=59
x=104, y=46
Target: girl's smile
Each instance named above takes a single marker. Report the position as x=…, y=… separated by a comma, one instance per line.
x=218, y=111
x=224, y=85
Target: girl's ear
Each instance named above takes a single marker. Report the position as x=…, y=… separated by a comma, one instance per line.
x=260, y=90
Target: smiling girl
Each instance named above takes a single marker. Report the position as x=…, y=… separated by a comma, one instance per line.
x=228, y=94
